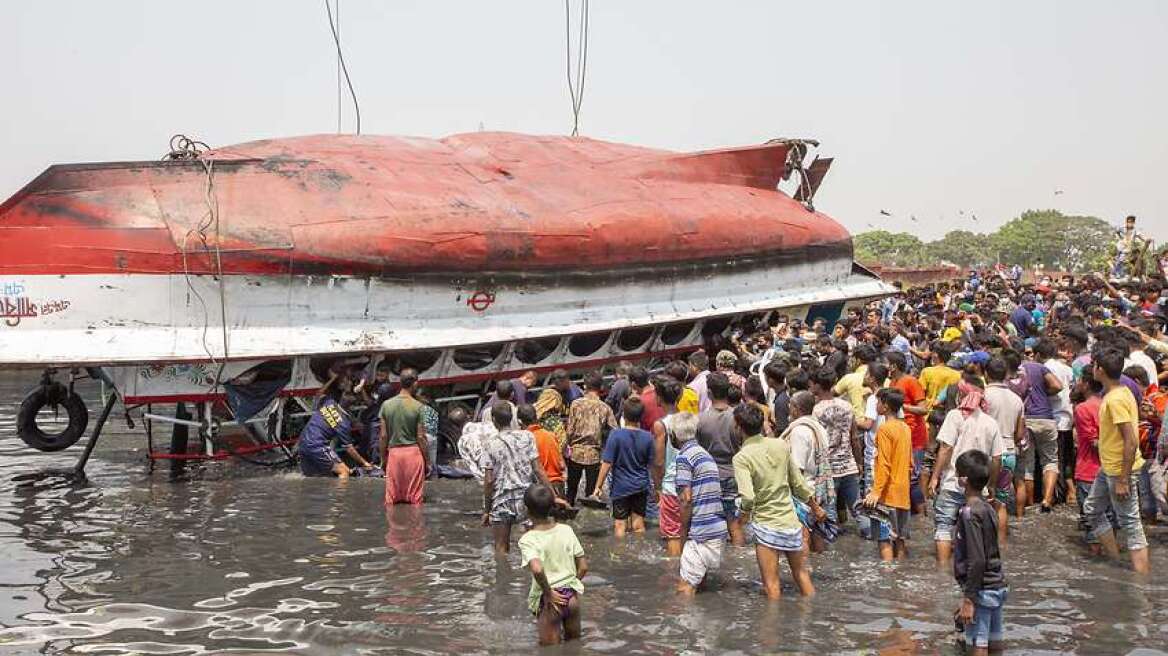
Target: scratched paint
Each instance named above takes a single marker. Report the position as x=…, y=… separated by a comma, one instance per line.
x=378, y=205
x=339, y=245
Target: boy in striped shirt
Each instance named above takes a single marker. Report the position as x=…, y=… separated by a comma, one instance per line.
x=699, y=495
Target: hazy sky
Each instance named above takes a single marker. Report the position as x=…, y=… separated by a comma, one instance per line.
x=930, y=108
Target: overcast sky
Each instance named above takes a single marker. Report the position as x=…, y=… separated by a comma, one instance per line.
x=930, y=108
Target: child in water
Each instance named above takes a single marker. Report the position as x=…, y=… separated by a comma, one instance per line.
x=977, y=563
x=557, y=563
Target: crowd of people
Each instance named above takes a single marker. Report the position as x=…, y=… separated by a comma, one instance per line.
x=966, y=403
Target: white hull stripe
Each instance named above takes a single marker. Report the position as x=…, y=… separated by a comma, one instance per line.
x=122, y=319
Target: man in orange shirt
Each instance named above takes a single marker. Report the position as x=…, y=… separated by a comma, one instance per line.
x=891, y=470
x=916, y=408
x=546, y=447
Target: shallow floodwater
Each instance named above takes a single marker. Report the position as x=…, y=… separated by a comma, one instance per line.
x=241, y=559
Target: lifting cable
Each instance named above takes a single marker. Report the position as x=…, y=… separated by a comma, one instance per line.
x=341, y=60
x=576, y=85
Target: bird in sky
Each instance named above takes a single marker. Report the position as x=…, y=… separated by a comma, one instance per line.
x=1058, y=192
x=912, y=217
x=885, y=213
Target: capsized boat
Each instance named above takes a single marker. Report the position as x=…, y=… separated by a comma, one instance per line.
x=465, y=257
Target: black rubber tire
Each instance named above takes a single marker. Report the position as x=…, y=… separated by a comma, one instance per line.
x=32, y=435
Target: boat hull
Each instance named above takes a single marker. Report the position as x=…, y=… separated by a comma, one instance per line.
x=109, y=319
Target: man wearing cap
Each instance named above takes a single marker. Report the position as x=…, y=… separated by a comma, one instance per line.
x=725, y=362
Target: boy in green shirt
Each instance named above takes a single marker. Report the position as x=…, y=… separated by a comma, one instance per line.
x=768, y=480
x=556, y=560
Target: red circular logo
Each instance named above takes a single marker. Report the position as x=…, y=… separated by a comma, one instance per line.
x=480, y=301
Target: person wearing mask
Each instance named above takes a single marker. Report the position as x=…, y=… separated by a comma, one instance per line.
x=968, y=427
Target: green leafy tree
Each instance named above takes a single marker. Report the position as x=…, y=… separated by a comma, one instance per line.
x=1055, y=240
x=889, y=248
x=1058, y=241
x=963, y=248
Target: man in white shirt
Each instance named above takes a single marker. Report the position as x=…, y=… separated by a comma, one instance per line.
x=1007, y=409
x=1060, y=405
x=966, y=428
x=1140, y=359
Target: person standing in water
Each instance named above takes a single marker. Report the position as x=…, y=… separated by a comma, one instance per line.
x=556, y=560
x=768, y=481
x=404, y=452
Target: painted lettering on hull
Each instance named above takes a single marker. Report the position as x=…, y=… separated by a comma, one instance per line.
x=13, y=310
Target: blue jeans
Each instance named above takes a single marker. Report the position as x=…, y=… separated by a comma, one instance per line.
x=847, y=489
x=986, y=626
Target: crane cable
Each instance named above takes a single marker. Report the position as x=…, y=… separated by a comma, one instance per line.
x=576, y=87
x=341, y=61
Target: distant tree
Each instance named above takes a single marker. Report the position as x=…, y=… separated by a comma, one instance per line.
x=963, y=248
x=889, y=248
x=1055, y=240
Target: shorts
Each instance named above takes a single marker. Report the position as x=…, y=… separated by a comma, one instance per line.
x=1004, y=491
x=779, y=539
x=1152, y=489
x=898, y=527
x=1127, y=512
x=1043, y=445
x=847, y=489
x=946, y=507
x=916, y=495
x=318, y=462
x=564, y=611
x=699, y=559
x=634, y=504
x=508, y=511
x=986, y=626
x=730, y=497
x=669, y=522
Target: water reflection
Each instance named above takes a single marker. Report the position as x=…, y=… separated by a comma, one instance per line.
x=238, y=560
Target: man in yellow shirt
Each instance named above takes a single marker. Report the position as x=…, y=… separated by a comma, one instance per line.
x=939, y=375
x=689, y=401
x=851, y=387
x=1119, y=459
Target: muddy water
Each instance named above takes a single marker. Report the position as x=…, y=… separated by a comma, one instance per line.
x=238, y=559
